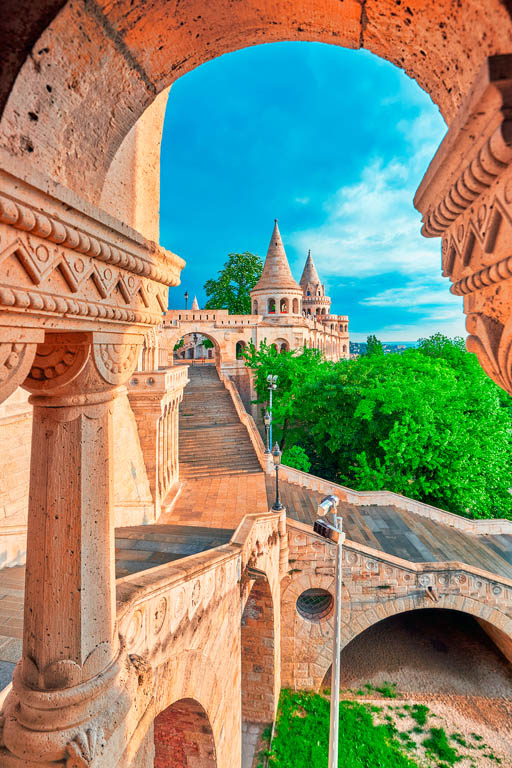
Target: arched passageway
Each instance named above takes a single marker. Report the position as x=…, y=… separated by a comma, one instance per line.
x=183, y=737
x=428, y=651
x=196, y=347
x=259, y=695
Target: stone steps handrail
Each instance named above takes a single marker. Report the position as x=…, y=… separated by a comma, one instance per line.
x=246, y=419
x=408, y=565
x=135, y=587
x=389, y=498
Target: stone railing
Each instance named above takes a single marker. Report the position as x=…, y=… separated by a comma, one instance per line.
x=152, y=604
x=492, y=589
x=388, y=498
x=172, y=378
x=247, y=420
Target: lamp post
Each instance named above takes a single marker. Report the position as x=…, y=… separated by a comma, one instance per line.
x=266, y=419
x=335, y=534
x=186, y=300
x=276, y=457
x=272, y=385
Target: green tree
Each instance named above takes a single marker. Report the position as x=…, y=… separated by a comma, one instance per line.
x=231, y=289
x=291, y=368
x=427, y=423
x=373, y=345
x=296, y=457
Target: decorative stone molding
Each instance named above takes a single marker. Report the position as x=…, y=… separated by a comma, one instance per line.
x=59, y=262
x=466, y=198
x=85, y=747
x=16, y=358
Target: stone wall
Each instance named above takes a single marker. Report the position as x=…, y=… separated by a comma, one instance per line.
x=375, y=586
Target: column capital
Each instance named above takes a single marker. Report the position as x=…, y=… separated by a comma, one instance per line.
x=81, y=368
x=17, y=352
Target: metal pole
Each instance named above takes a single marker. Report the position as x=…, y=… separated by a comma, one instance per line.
x=336, y=653
x=270, y=426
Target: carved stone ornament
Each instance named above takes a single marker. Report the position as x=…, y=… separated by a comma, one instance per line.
x=85, y=747
x=15, y=363
x=466, y=198
x=57, y=262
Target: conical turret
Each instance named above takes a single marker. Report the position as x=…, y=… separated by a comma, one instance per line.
x=276, y=275
x=309, y=275
x=195, y=305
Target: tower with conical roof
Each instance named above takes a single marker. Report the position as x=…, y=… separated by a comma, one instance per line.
x=314, y=300
x=276, y=294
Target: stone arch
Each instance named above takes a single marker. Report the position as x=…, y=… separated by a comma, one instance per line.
x=344, y=349
x=295, y=307
x=217, y=350
x=284, y=305
x=192, y=676
x=240, y=346
x=443, y=55
x=313, y=634
x=254, y=307
x=436, y=637
x=259, y=691
x=271, y=306
x=183, y=736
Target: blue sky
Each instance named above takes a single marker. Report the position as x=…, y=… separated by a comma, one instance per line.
x=333, y=143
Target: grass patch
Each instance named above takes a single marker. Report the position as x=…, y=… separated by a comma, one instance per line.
x=302, y=736
x=438, y=746
x=388, y=690
x=419, y=713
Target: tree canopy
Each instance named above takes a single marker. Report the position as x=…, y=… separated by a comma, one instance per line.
x=231, y=289
x=427, y=423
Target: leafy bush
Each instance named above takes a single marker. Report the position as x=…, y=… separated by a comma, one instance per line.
x=296, y=457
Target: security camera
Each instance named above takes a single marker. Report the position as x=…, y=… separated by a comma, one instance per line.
x=327, y=503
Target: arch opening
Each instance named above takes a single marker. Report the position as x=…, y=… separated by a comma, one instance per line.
x=183, y=737
x=430, y=651
x=196, y=347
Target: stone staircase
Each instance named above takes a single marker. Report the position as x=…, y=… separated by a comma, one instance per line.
x=212, y=441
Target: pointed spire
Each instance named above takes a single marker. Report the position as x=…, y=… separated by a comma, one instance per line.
x=310, y=275
x=195, y=305
x=276, y=270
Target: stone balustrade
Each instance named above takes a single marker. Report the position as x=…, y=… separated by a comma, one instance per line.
x=389, y=498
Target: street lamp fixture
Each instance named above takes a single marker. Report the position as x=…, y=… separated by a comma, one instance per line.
x=276, y=458
x=334, y=533
x=186, y=300
x=272, y=385
x=267, y=421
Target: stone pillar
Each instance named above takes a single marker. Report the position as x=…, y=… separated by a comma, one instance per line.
x=466, y=199
x=154, y=397
x=67, y=696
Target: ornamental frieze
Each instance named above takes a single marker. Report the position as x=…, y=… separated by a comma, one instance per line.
x=59, y=262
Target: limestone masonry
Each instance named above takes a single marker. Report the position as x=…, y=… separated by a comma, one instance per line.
x=152, y=602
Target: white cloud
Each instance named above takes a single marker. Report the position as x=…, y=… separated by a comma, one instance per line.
x=371, y=227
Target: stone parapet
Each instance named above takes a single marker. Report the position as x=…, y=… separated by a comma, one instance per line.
x=375, y=587
x=388, y=498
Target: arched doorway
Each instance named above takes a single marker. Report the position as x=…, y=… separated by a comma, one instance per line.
x=240, y=346
x=183, y=737
x=428, y=651
x=196, y=348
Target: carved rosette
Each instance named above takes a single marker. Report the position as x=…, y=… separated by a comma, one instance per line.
x=15, y=363
x=466, y=198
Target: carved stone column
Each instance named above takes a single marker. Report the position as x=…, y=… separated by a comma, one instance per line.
x=67, y=696
x=466, y=198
